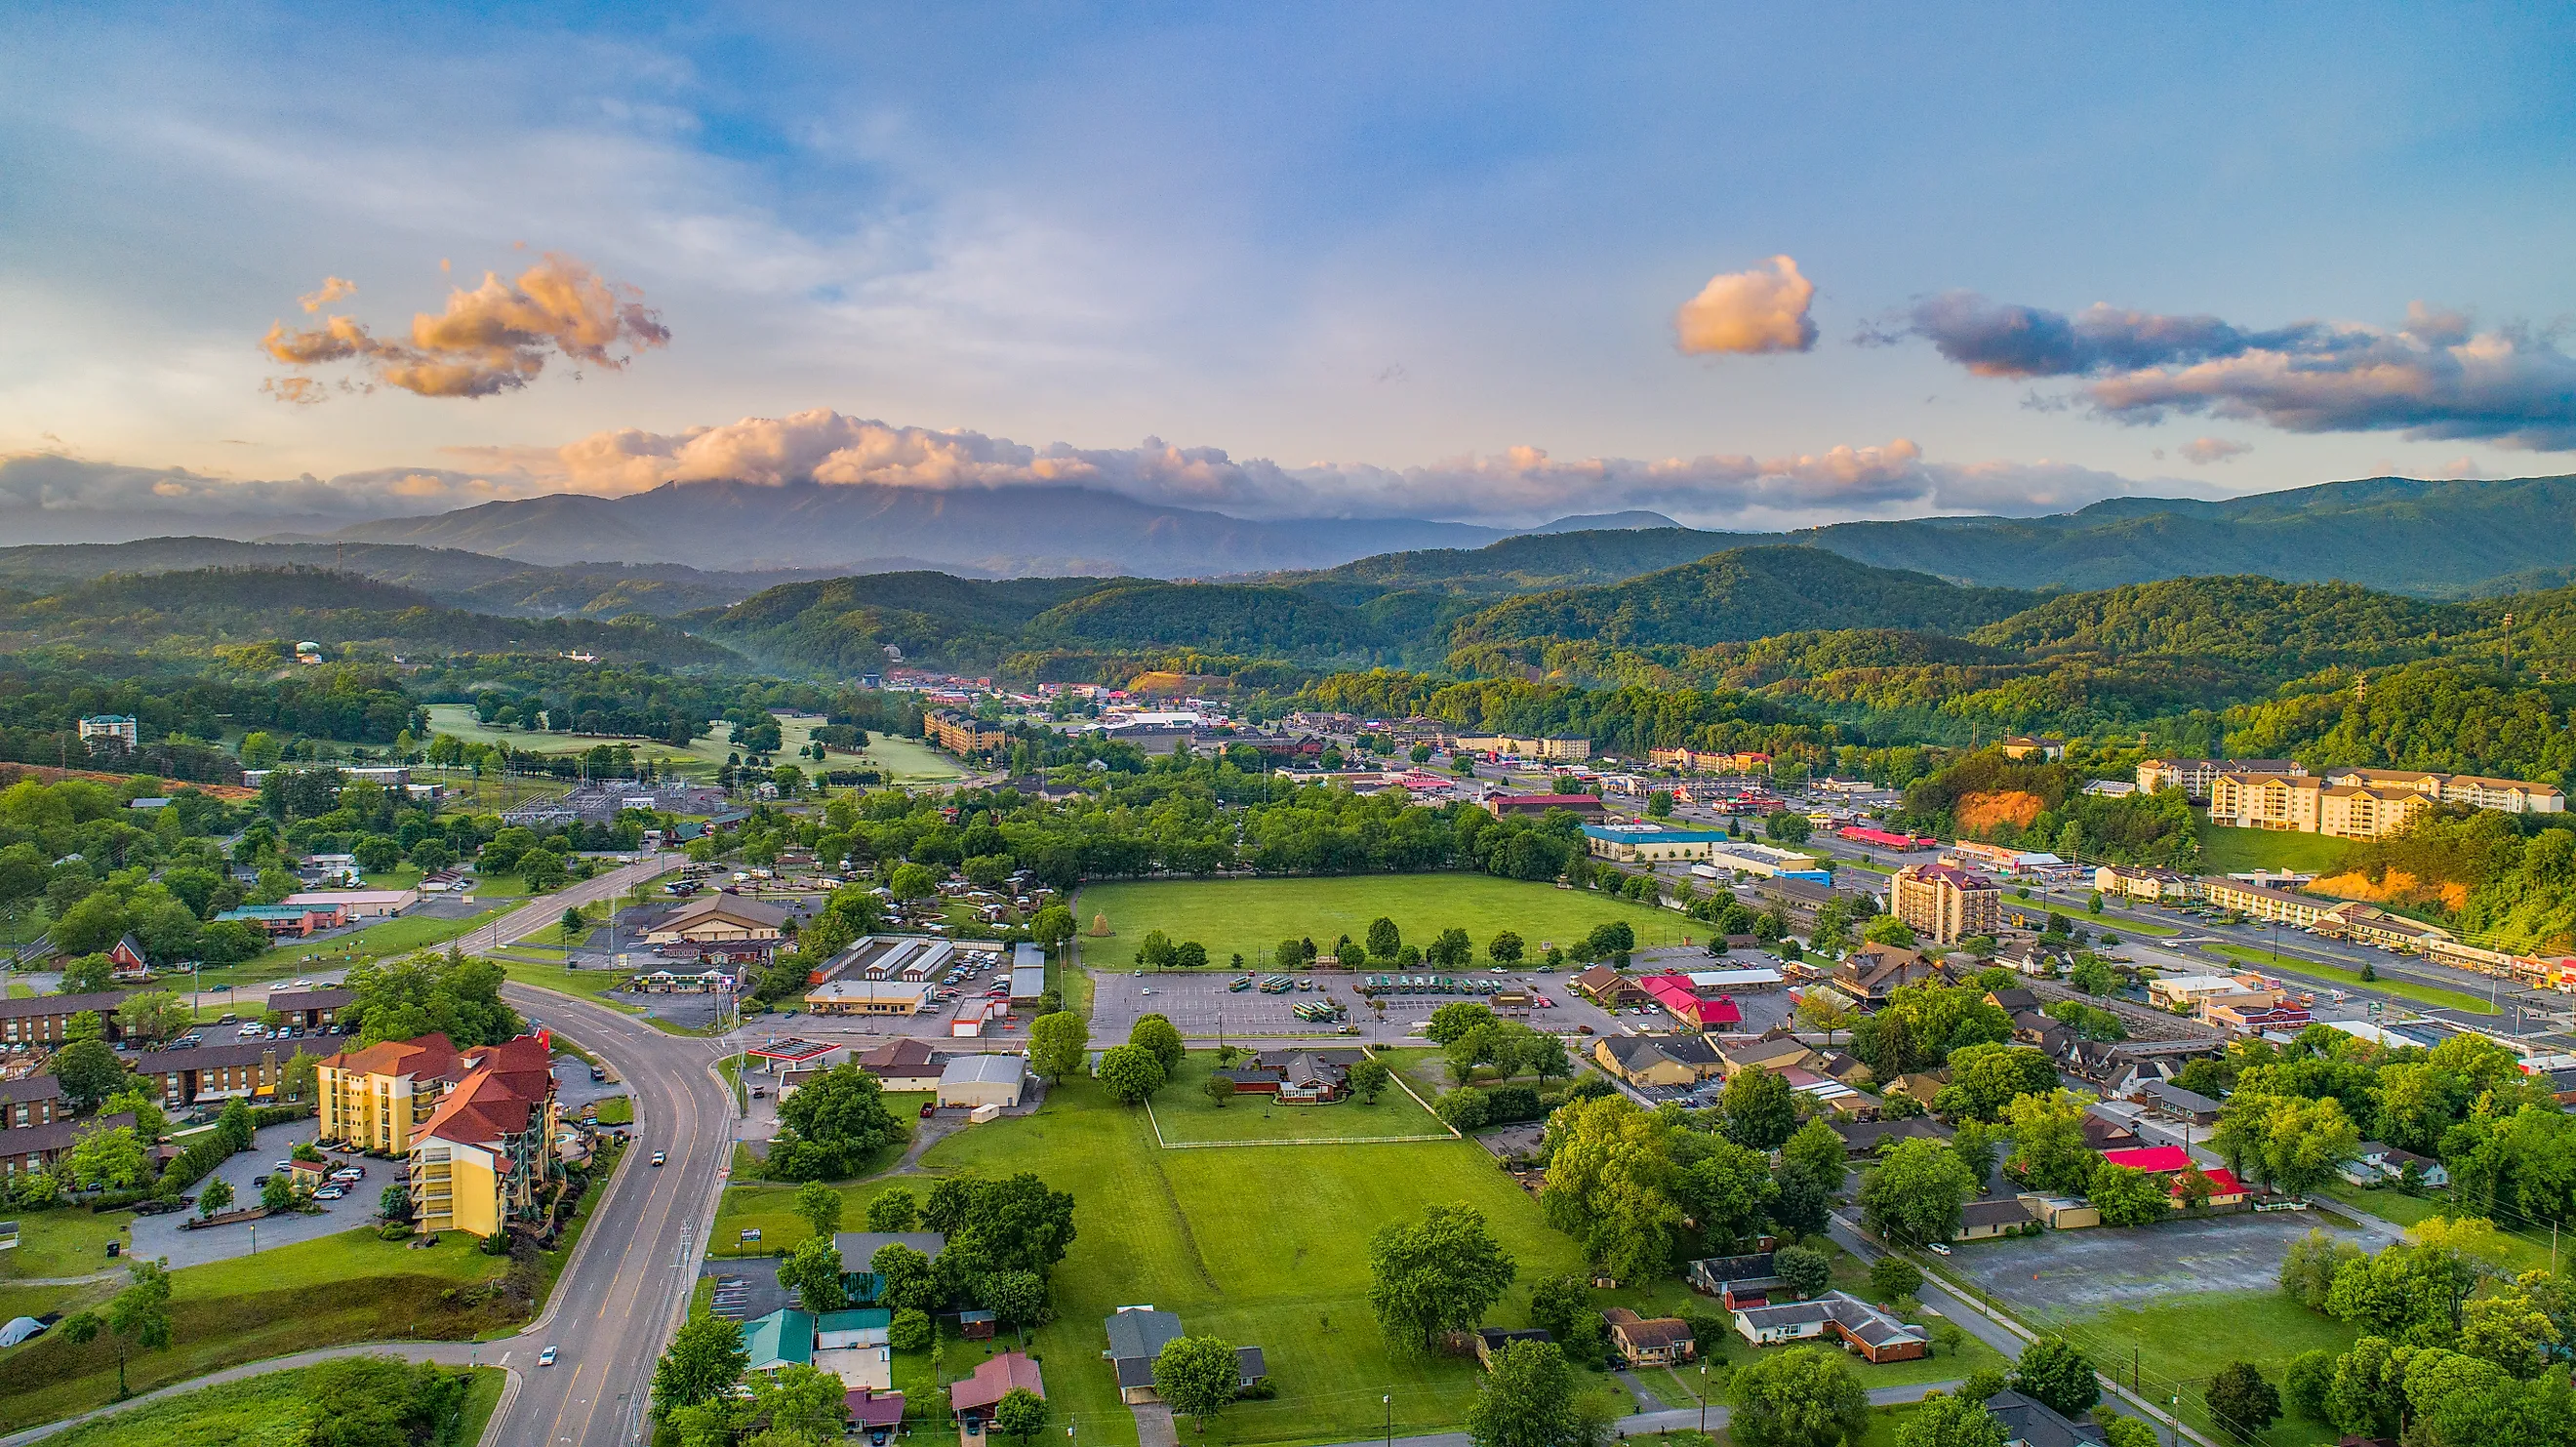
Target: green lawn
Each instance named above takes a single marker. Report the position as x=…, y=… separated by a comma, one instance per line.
x=255, y=1412
x=401, y=936
x=905, y=761
x=2420, y=994
x=2233, y=851
x=344, y=1288
x=1184, y=1114
x=2179, y=1342
x=2524, y=1250
x=1256, y=1245
x=65, y=1241
x=1252, y=916
x=617, y=1110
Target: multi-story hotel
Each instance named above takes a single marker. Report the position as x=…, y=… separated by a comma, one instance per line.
x=962, y=733
x=1944, y=904
x=2357, y=803
x=477, y=1125
x=2196, y=777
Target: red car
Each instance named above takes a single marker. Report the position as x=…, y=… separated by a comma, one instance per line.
x=929, y=1109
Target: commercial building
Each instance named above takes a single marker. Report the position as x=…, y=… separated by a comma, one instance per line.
x=717, y=919
x=961, y=733
x=1741, y=761
x=1944, y=904
x=981, y=1080
x=1648, y=844
x=2195, y=776
x=356, y=904
x=2143, y=881
x=1586, y=806
x=847, y=996
x=2256, y=901
x=1748, y=860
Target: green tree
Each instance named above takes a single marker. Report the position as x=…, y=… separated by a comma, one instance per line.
x=1893, y=1278
x=820, y=1207
x=911, y=1330
x=138, y=1318
x=1820, y=1151
x=1506, y=948
x=813, y=1272
x=214, y=1196
x=1947, y=1421
x=154, y=1015
x=1219, y=1090
x=1155, y=952
x=1807, y=1272
x=1196, y=1376
x=2306, y=1385
x=1058, y=1044
x=1760, y=1110
x=893, y=1210
x=88, y=974
x=1803, y=1397
x=2049, y=1148
x=1532, y=1399
x=2056, y=1371
x=2129, y=1432
x=2305, y=1142
x=108, y=1157
x=912, y=881
x=1130, y=1073
x=90, y=1072
x=1887, y=929
x=1384, y=940
x=906, y=1280
x=1051, y=927
x=1457, y=1019
x=1916, y=1193
x=2242, y=1401
x=705, y=1359
x=1440, y=1272
x=2129, y=1197
x=1021, y=1414
x=1159, y=1035
x=1368, y=1079
x=830, y=1127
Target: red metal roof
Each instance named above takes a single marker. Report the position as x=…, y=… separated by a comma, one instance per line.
x=2159, y=1159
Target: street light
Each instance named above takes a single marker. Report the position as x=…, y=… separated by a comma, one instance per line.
x=1389, y=1400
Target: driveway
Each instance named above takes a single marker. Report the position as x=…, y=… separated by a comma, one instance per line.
x=2078, y=1272
x=160, y=1236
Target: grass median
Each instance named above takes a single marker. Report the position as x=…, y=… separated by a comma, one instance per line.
x=2403, y=989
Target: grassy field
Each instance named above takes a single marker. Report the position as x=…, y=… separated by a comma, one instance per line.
x=255, y=1412
x=2231, y=851
x=392, y=937
x=905, y=761
x=1185, y=1115
x=344, y=1288
x=2181, y=1341
x=1253, y=915
x=1256, y=1245
x=63, y=1242
x=2420, y=994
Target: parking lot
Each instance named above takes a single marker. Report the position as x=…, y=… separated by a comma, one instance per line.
x=2075, y=1272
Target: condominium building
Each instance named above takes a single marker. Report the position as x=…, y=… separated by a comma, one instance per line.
x=2195, y=776
x=2357, y=803
x=2266, y=801
x=1944, y=904
x=120, y=727
x=961, y=733
x=482, y=1160
x=1560, y=748
x=2511, y=796
x=1699, y=761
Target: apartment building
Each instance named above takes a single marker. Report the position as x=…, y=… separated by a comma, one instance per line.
x=962, y=733
x=45, y=1019
x=2195, y=776
x=117, y=726
x=2357, y=803
x=1560, y=748
x=2141, y=881
x=2475, y=791
x=1944, y=904
x=484, y=1156
x=379, y=1097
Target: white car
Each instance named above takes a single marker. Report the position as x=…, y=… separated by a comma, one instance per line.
x=1939, y=1250
x=546, y=1358
x=330, y=1193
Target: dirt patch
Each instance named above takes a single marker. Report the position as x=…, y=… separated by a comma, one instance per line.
x=2394, y=886
x=1979, y=812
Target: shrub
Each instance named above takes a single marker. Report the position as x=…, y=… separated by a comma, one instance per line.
x=910, y=1330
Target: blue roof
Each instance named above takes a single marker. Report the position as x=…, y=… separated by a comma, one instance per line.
x=1655, y=836
x=863, y=1318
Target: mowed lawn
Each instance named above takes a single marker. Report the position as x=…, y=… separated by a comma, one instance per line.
x=2181, y=1341
x=904, y=760
x=254, y=1412
x=64, y=1242
x=345, y=1288
x=1251, y=916
x=2228, y=851
x=1185, y=1113
x=1261, y=1246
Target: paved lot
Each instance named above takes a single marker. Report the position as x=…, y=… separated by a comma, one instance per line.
x=2084, y=1271
x=157, y=1236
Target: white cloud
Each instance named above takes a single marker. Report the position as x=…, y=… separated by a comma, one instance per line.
x=1762, y=310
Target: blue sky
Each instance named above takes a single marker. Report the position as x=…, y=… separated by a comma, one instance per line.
x=1380, y=247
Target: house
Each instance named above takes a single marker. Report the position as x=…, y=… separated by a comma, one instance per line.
x=1656, y=1060
x=874, y=1415
x=980, y=1080
x=1987, y=1219
x=2014, y=1001
x=1649, y=1341
x=2107, y=1133
x=1295, y=1077
x=1776, y=1054
x=2174, y=1163
x=715, y=919
x=859, y=1251
x=1861, y=1327
x=784, y=1338
x=42, y=1147
x=2171, y=1101
x=2029, y=1422
x=851, y=1344
x=310, y=1009
x=1918, y=1085
x=356, y=904
x=972, y=1400
x=1610, y=989
x=2023, y=746
x=2374, y=1163
x=1876, y=971
x=1738, y=1280
x=1944, y=903
x=1137, y=1336
x=1493, y=1341
x=905, y=1063
x=1863, y=1139
x=126, y=955
x=1682, y=1000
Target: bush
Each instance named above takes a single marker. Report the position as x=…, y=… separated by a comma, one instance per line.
x=910, y=1330
x=1463, y=1109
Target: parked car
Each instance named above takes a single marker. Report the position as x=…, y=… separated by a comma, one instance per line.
x=330, y=1193
x=929, y=1108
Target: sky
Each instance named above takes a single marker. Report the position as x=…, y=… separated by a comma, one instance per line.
x=1749, y=267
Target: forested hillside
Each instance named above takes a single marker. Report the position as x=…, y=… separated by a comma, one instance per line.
x=267, y=611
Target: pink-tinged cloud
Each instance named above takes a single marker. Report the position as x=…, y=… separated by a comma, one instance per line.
x=1762, y=310
x=2206, y=450
x=333, y=289
x=2435, y=377
x=495, y=338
